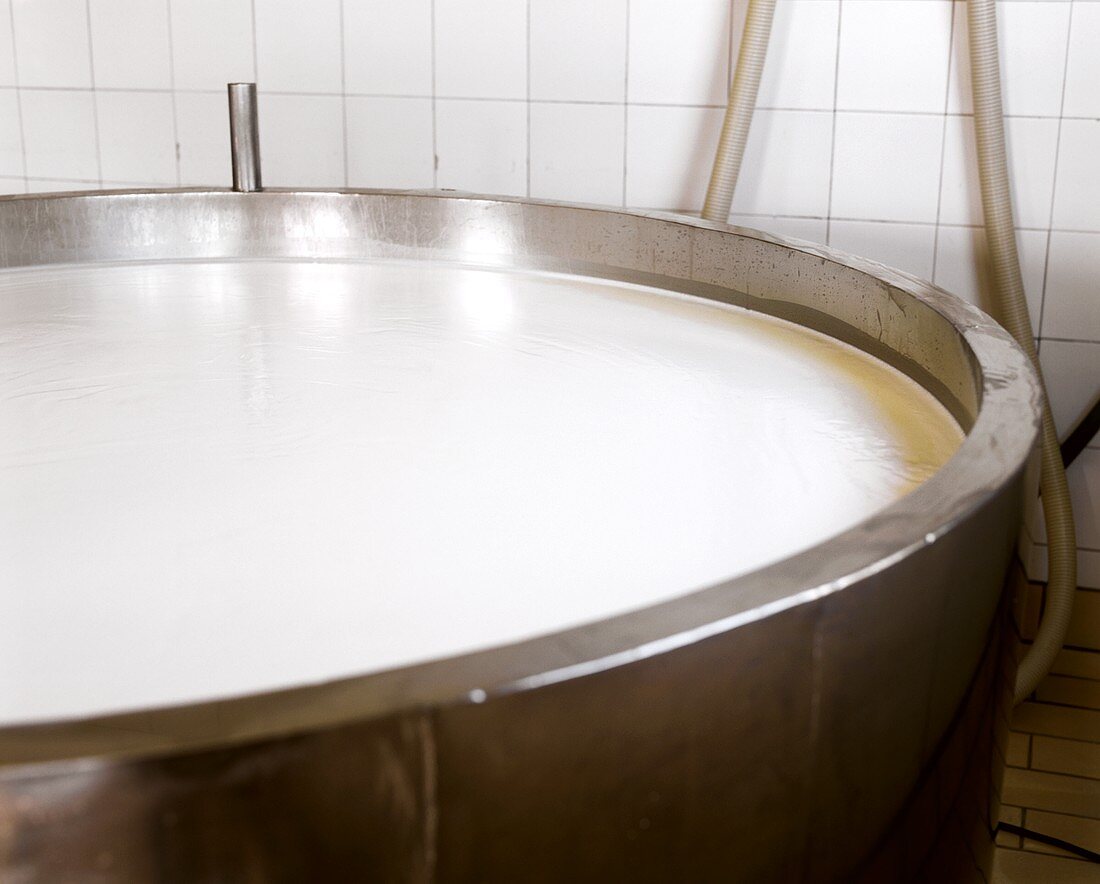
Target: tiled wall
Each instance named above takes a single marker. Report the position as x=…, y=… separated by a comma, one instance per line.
x=1052, y=780
x=864, y=137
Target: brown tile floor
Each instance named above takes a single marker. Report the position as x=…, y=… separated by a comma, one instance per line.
x=1052, y=782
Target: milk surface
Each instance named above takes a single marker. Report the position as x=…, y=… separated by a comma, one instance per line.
x=223, y=478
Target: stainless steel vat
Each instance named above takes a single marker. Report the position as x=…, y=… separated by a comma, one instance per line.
x=833, y=716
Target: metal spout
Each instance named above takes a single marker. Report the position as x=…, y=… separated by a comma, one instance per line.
x=244, y=137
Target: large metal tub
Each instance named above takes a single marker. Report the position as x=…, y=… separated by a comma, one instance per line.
x=832, y=716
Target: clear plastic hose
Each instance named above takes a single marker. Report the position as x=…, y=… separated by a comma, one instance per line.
x=739, y=110
x=1011, y=304
x=1011, y=307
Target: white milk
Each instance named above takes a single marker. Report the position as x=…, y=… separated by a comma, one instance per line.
x=224, y=478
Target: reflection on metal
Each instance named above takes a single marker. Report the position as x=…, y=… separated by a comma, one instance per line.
x=244, y=137
x=783, y=725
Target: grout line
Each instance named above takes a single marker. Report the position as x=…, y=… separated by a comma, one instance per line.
x=1078, y=816
x=172, y=82
x=943, y=143
x=626, y=100
x=832, y=134
x=142, y=185
x=255, y=52
x=730, y=7
x=889, y=112
x=1080, y=548
x=1054, y=177
x=729, y=85
x=18, y=97
x=343, y=91
x=528, y=98
x=435, y=126
x=1056, y=705
x=95, y=104
x=1072, y=341
x=1062, y=773
x=1076, y=678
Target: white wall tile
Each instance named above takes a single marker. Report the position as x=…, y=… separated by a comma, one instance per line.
x=1072, y=308
x=1071, y=369
x=12, y=185
x=586, y=169
x=388, y=47
x=202, y=130
x=1084, y=486
x=130, y=47
x=390, y=142
x=298, y=45
x=1031, y=246
x=301, y=140
x=481, y=48
x=137, y=140
x=800, y=71
x=206, y=56
x=1088, y=569
x=59, y=130
x=893, y=55
x=679, y=52
x=482, y=146
x=7, y=44
x=1077, y=194
x=908, y=247
x=1032, y=147
x=812, y=230
x=669, y=151
x=11, y=141
x=51, y=43
x=578, y=50
x=962, y=266
x=1083, y=477
x=785, y=170
x=886, y=166
x=1032, y=42
x=1083, y=66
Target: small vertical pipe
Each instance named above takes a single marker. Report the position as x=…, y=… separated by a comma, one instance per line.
x=244, y=137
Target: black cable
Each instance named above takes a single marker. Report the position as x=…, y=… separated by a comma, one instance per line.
x=1081, y=435
x=1076, y=849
